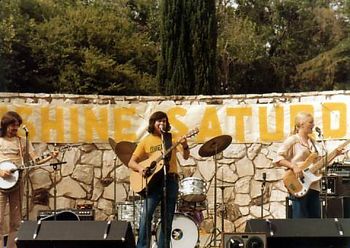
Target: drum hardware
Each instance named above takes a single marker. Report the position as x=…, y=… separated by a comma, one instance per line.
x=211, y=148
x=185, y=206
x=123, y=150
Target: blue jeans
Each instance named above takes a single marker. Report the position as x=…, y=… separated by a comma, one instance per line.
x=153, y=199
x=307, y=206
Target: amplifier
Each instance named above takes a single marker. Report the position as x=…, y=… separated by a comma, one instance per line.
x=67, y=214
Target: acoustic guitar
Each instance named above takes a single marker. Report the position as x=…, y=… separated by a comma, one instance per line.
x=154, y=164
x=298, y=187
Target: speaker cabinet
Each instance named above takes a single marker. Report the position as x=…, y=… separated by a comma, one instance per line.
x=337, y=207
x=244, y=240
x=72, y=234
x=303, y=233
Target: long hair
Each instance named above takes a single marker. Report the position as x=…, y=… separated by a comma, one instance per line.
x=7, y=119
x=158, y=116
x=299, y=119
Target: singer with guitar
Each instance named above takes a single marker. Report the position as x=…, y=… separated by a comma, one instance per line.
x=300, y=155
x=155, y=142
x=12, y=151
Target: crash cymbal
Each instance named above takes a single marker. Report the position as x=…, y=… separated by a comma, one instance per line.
x=112, y=143
x=123, y=149
x=215, y=145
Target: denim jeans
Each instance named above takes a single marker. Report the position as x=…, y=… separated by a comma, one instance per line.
x=153, y=199
x=307, y=206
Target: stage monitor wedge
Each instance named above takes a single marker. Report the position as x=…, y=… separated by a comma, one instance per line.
x=72, y=234
x=303, y=233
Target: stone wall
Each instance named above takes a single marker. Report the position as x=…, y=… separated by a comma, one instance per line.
x=88, y=176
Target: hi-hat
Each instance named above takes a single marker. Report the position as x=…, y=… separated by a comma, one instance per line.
x=123, y=149
x=215, y=145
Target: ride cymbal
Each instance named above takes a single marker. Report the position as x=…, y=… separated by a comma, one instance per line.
x=215, y=145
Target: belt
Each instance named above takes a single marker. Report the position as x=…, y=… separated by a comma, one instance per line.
x=174, y=176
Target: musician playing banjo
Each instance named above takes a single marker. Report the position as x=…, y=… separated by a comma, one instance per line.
x=12, y=150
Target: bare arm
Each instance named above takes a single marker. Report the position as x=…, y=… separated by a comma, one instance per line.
x=135, y=166
x=185, y=148
x=297, y=171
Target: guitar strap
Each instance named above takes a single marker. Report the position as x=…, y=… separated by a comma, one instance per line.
x=167, y=142
x=21, y=150
x=314, y=145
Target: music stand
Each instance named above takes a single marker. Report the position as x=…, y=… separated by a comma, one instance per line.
x=208, y=149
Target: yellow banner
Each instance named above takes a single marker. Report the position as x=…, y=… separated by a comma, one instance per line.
x=78, y=123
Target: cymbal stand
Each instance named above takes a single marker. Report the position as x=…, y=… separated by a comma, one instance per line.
x=223, y=208
x=214, y=233
x=114, y=205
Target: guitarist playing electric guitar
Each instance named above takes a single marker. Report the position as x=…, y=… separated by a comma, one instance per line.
x=12, y=149
x=151, y=147
x=298, y=153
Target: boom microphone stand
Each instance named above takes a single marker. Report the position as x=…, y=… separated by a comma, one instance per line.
x=26, y=164
x=165, y=210
x=325, y=159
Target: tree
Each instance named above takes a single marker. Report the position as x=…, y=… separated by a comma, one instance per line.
x=187, y=62
x=59, y=46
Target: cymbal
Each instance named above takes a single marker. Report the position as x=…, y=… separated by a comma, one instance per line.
x=215, y=145
x=123, y=149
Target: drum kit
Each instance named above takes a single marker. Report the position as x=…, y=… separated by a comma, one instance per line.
x=192, y=197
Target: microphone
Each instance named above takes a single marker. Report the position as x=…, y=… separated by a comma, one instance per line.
x=25, y=128
x=318, y=130
x=161, y=127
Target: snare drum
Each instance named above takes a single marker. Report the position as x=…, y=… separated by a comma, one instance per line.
x=192, y=189
x=130, y=211
x=184, y=232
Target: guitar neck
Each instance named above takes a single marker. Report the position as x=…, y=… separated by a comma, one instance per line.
x=324, y=161
x=167, y=151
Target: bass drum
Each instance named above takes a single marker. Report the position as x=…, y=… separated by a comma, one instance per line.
x=184, y=232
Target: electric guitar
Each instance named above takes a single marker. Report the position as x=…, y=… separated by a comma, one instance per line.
x=298, y=187
x=9, y=183
x=153, y=164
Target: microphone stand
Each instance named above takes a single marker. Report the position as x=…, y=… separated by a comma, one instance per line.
x=165, y=211
x=325, y=158
x=55, y=166
x=262, y=195
x=26, y=179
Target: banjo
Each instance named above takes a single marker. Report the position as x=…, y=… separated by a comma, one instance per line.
x=9, y=183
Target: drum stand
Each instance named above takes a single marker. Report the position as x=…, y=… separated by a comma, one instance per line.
x=215, y=231
x=114, y=205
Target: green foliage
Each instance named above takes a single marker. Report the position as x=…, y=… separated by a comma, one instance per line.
x=188, y=47
x=79, y=47
x=113, y=46
x=264, y=45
